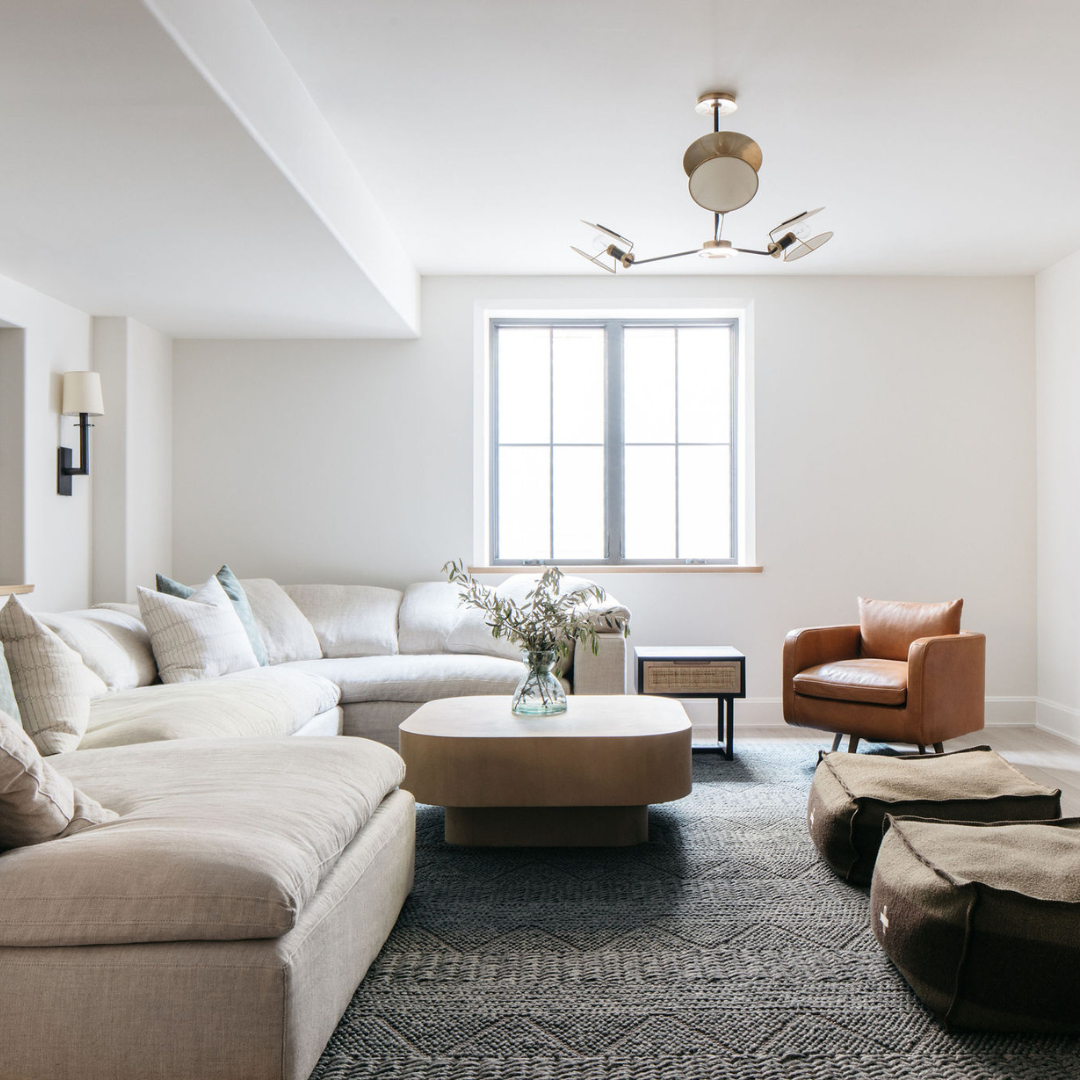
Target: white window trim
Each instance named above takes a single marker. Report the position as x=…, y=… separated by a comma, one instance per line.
x=690, y=308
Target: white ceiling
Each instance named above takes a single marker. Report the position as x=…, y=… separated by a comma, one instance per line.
x=127, y=187
x=942, y=135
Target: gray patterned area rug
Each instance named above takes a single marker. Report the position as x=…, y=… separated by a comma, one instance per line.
x=722, y=948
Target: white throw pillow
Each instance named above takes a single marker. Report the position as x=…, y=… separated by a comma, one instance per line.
x=285, y=631
x=196, y=638
x=36, y=802
x=52, y=685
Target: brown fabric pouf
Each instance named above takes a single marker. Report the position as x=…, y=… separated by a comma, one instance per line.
x=984, y=920
x=852, y=793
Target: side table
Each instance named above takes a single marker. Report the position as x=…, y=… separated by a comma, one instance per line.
x=697, y=671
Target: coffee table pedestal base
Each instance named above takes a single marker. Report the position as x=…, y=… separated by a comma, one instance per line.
x=547, y=826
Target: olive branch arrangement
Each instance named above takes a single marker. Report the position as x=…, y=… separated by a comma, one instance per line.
x=546, y=622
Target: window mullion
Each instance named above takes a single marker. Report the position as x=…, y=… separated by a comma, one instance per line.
x=614, y=448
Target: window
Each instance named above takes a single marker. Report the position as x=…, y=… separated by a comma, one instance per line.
x=614, y=441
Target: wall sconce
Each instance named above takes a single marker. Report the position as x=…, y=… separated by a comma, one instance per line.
x=82, y=398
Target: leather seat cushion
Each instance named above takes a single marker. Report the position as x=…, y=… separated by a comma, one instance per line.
x=871, y=682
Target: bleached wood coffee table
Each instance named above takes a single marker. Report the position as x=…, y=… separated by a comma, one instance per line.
x=581, y=778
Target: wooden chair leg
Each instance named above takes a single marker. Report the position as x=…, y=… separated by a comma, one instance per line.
x=939, y=747
x=853, y=744
x=836, y=742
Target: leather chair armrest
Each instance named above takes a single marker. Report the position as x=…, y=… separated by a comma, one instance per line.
x=811, y=646
x=947, y=686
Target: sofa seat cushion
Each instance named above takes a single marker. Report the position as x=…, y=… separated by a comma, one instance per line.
x=260, y=702
x=872, y=682
x=984, y=920
x=416, y=678
x=851, y=794
x=217, y=839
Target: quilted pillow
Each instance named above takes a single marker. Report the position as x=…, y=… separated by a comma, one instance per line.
x=36, y=802
x=197, y=638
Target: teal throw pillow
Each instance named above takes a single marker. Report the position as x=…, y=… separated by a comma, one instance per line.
x=8, y=703
x=235, y=592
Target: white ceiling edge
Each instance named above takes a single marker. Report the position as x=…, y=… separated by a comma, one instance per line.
x=227, y=42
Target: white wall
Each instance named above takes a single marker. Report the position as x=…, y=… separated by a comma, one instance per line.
x=1057, y=305
x=55, y=529
x=133, y=492
x=895, y=458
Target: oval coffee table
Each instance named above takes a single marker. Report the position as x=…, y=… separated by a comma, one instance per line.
x=581, y=778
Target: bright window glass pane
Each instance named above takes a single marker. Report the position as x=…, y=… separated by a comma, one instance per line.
x=578, y=385
x=650, y=502
x=524, y=385
x=704, y=502
x=649, y=385
x=579, y=502
x=705, y=384
x=524, y=502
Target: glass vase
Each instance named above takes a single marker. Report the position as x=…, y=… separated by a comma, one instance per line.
x=539, y=693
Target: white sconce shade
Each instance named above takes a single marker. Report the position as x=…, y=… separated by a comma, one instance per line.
x=82, y=394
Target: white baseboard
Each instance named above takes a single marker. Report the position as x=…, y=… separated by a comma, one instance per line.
x=769, y=712
x=1060, y=719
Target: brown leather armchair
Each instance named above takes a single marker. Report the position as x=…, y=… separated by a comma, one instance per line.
x=906, y=673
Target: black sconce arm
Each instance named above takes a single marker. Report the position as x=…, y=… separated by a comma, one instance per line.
x=64, y=469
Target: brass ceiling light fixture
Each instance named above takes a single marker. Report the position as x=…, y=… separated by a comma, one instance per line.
x=722, y=168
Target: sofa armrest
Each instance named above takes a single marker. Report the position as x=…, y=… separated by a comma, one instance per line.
x=947, y=685
x=604, y=672
x=811, y=646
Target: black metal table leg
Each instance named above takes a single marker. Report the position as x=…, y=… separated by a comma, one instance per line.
x=729, y=728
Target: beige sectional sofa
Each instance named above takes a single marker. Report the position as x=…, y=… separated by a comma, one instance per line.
x=344, y=659
x=219, y=925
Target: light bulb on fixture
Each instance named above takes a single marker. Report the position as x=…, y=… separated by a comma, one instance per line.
x=718, y=249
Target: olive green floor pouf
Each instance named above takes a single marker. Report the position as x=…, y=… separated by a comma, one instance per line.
x=851, y=794
x=983, y=920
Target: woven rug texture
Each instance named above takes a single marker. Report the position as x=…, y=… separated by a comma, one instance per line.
x=721, y=948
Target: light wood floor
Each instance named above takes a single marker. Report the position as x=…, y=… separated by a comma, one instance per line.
x=1044, y=757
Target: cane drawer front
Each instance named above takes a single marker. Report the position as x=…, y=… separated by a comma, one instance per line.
x=691, y=677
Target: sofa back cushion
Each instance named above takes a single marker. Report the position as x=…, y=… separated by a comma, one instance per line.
x=285, y=631
x=429, y=612
x=350, y=620
x=888, y=627
x=113, y=645
x=36, y=802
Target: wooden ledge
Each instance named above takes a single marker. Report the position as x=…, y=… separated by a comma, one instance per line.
x=7, y=590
